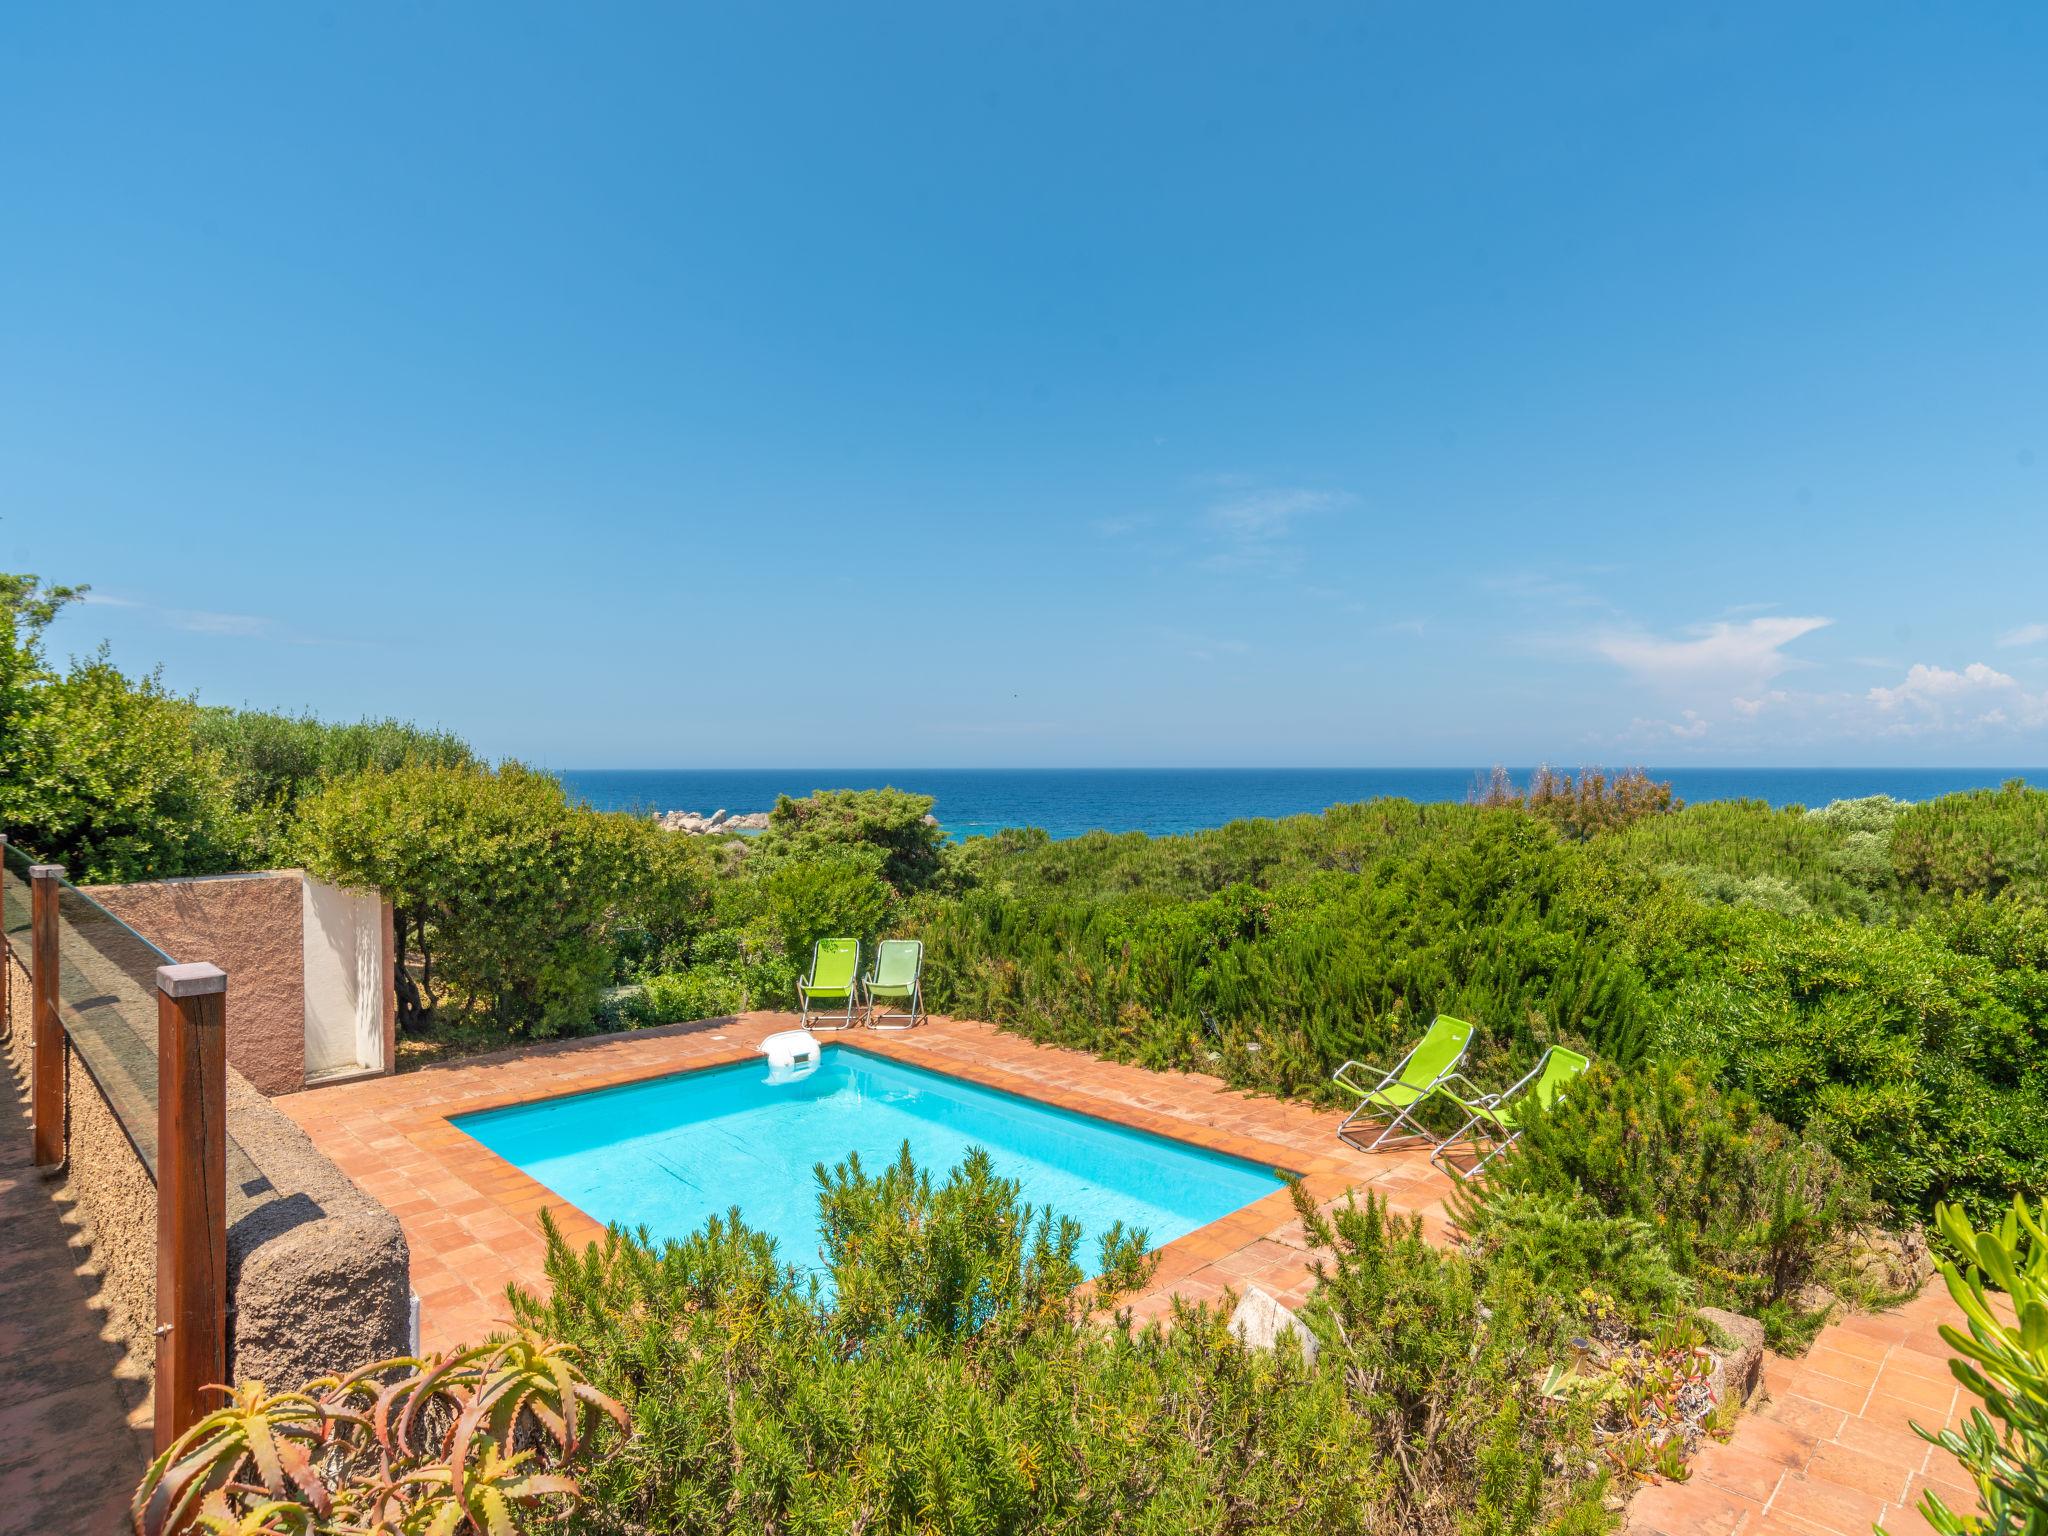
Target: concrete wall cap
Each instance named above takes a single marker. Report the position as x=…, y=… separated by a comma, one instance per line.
x=195, y=980
x=46, y=871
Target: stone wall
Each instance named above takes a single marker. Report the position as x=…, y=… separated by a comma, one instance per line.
x=109, y=1199
x=318, y=1272
x=252, y=927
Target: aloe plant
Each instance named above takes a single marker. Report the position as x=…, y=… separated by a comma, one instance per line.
x=2004, y=1444
x=439, y=1446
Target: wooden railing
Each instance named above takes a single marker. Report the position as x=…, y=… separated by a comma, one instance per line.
x=190, y=1152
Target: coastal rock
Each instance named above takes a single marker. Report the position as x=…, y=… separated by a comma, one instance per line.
x=1738, y=1371
x=721, y=820
x=1260, y=1319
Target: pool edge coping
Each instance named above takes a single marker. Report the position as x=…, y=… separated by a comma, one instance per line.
x=1174, y=1259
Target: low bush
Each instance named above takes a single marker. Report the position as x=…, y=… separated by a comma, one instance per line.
x=1915, y=1063
x=1486, y=914
x=896, y=826
x=1654, y=1186
x=1977, y=843
x=944, y=1376
x=676, y=997
x=1585, y=806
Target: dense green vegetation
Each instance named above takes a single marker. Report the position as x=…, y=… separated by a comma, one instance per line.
x=953, y=1379
x=1870, y=975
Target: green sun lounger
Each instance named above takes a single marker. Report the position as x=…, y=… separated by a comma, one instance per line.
x=895, y=978
x=1492, y=1118
x=833, y=982
x=1397, y=1094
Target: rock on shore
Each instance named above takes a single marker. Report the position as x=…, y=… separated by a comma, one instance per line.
x=697, y=824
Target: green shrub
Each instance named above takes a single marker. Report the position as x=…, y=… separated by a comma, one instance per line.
x=1917, y=1065
x=1360, y=935
x=1741, y=1211
x=896, y=825
x=103, y=776
x=504, y=896
x=1978, y=842
x=676, y=997
x=837, y=895
x=270, y=761
x=1834, y=861
x=948, y=1379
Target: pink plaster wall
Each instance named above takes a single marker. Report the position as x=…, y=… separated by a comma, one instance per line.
x=252, y=927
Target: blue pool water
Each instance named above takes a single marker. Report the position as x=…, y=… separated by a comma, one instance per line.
x=1070, y=801
x=668, y=1153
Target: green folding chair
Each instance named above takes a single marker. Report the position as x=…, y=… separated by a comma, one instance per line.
x=1495, y=1117
x=1398, y=1093
x=899, y=963
x=834, y=980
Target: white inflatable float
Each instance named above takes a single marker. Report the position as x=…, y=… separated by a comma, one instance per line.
x=791, y=1054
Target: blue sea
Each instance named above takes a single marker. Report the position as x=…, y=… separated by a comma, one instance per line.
x=1067, y=802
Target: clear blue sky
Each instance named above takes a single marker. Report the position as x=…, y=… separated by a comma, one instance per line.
x=1081, y=384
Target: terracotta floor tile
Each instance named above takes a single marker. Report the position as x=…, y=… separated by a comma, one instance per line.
x=1739, y=1470
x=1844, y=1511
x=1836, y=1463
x=1846, y=1395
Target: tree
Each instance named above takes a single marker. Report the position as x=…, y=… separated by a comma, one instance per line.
x=99, y=772
x=897, y=824
x=504, y=896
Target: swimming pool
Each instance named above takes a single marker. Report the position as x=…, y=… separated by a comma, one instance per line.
x=671, y=1151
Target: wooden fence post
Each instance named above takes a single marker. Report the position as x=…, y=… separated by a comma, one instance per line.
x=191, y=1194
x=6, y=971
x=46, y=1032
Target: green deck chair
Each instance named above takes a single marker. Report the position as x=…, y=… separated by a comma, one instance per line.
x=1493, y=1118
x=1397, y=1093
x=895, y=978
x=835, y=969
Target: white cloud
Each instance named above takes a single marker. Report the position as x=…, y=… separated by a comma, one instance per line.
x=1749, y=709
x=1741, y=654
x=246, y=625
x=1926, y=686
x=2026, y=634
x=1934, y=698
x=1690, y=725
x=229, y=626
x=1254, y=528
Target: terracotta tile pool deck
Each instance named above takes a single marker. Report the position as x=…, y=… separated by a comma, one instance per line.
x=473, y=1220
x=1826, y=1451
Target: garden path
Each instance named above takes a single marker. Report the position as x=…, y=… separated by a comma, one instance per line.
x=70, y=1452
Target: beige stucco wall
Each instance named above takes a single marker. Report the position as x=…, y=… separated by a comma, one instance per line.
x=252, y=927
